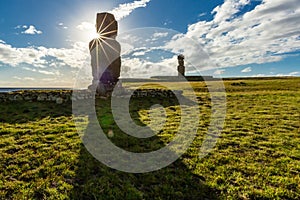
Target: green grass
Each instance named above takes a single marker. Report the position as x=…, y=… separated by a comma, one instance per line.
x=256, y=157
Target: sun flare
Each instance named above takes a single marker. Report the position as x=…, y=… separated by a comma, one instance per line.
x=92, y=34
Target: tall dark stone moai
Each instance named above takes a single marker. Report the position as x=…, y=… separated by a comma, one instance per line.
x=105, y=54
x=181, y=67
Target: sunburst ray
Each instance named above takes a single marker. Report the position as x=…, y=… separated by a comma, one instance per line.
x=100, y=27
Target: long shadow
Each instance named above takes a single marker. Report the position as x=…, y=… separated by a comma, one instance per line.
x=95, y=180
x=25, y=111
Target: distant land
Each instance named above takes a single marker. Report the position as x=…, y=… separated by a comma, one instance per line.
x=152, y=79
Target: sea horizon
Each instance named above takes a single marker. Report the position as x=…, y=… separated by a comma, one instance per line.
x=15, y=89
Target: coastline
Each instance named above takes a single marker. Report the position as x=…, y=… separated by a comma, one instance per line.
x=17, y=89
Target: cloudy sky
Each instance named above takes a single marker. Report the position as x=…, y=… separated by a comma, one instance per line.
x=45, y=43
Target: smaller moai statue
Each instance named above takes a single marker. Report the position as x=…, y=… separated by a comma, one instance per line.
x=181, y=67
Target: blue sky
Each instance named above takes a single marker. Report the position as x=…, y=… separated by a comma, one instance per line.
x=44, y=43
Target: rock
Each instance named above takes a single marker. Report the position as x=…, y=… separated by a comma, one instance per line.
x=73, y=98
x=18, y=97
x=80, y=97
x=110, y=133
x=58, y=97
x=42, y=97
x=11, y=97
x=51, y=97
x=59, y=100
x=2, y=96
x=67, y=97
x=28, y=98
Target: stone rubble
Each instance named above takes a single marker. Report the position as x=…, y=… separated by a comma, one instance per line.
x=32, y=96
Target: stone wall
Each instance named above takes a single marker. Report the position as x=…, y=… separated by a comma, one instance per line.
x=163, y=93
x=61, y=96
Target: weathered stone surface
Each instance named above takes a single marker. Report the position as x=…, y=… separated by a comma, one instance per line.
x=11, y=97
x=42, y=97
x=51, y=97
x=30, y=96
x=181, y=67
x=105, y=54
x=59, y=100
x=18, y=97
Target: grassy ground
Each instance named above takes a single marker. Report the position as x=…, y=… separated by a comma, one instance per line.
x=256, y=157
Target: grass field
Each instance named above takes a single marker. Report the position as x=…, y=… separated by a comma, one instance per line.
x=256, y=157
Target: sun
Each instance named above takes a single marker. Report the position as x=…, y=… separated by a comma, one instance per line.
x=92, y=34
x=83, y=29
x=86, y=31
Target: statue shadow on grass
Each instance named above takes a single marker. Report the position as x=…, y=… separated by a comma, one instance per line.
x=95, y=180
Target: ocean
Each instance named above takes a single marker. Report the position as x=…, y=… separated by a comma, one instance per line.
x=5, y=90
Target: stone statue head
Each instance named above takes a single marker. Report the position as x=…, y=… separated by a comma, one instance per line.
x=180, y=60
x=180, y=57
x=106, y=25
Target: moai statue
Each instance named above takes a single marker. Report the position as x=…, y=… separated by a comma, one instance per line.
x=105, y=54
x=181, y=67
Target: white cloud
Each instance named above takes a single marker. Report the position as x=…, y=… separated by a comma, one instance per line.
x=140, y=53
x=29, y=79
x=140, y=68
x=277, y=75
x=123, y=10
x=16, y=77
x=219, y=71
x=31, y=30
x=158, y=35
x=193, y=52
x=43, y=71
x=202, y=14
x=120, y=12
x=84, y=26
x=75, y=57
x=29, y=69
x=233, y=38
x=24, y=78
x=46, y=72
x=261, y=35
x=294, y=73
x=61, y=25
x=160, y=56
x=261, y=75
x=14, y=56
x=247, y=70
x=227, y=10
x=167, y=22
x=50, y=79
